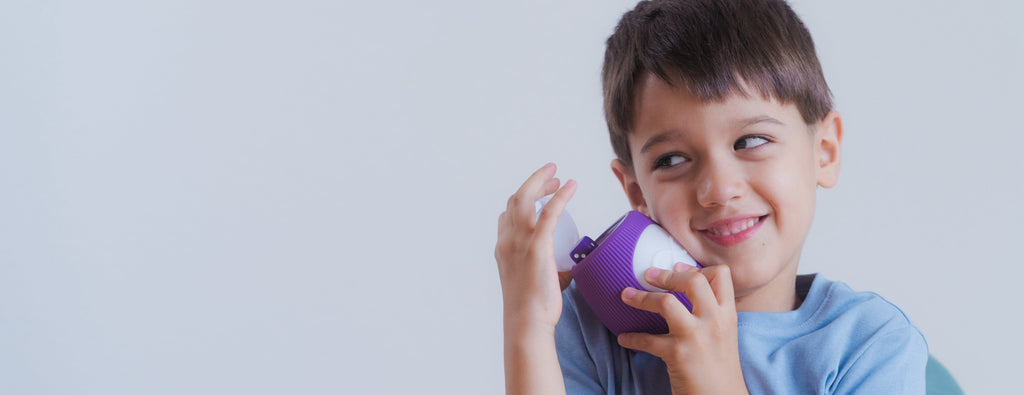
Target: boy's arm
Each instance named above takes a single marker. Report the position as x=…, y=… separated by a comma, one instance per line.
x=894, y=363
x=531, y=291
x=531, y=364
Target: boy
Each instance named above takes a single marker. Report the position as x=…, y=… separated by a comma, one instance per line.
x=723, y=129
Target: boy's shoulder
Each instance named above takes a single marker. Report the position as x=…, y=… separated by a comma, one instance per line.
x=831, y=306
x=838, y=338
x=862, y=309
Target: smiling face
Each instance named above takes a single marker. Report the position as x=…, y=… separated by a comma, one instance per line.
x=733, y=181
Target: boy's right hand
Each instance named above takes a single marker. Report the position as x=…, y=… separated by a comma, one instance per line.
x=531, y=287
x=701, y=348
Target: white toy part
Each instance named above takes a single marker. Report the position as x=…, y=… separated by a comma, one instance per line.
x=656, y=248
x=566, y=236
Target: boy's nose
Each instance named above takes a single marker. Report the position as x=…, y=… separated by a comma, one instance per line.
x=718, y=184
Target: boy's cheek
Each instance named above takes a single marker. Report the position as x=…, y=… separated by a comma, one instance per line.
x=686, y=237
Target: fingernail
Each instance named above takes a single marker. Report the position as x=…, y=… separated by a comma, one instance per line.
x=653, y=273
x=628, y=293
x=682, y=267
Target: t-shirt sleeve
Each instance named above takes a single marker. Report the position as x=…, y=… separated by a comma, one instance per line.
x=578, y=369
x=893, y=363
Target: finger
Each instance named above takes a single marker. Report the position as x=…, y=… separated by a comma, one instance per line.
x=720, y=278
x=691, y=282
x=550, y=186
x=522, y=202
x=504, y=226
x=664, y=303
x=651, y=344
x=549, y=215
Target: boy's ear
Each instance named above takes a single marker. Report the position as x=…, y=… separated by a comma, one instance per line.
x=828, y=149
x=630, y=186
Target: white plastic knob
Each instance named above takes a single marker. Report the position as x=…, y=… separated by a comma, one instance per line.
x=656, y=248
x=566, y=236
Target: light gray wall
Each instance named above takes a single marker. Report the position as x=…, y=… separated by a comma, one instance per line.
x=301, y=197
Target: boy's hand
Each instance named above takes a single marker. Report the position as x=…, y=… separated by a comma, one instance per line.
x=701, y=349
x=531, y=286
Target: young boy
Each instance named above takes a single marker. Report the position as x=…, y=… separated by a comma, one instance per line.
x=723, y=128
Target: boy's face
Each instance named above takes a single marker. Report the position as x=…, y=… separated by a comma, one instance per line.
x=733, y=181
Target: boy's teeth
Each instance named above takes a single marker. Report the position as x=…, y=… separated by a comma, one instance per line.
x=737, y=228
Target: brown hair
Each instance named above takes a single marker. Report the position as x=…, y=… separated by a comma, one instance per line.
x=711, y=47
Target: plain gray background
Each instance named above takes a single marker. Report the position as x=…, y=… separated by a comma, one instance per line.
x=301, y=197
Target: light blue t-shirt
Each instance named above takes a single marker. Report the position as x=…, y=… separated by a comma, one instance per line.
x=837, y=342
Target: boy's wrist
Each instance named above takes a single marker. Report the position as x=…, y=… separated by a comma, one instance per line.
x=725, y=380
x=524, y=314
x=525, y=325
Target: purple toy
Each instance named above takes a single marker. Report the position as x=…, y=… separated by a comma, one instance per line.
x=616, y=260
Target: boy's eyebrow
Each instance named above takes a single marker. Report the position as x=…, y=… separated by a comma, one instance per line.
x=744, y=122
x=758, y=119
x=657, y=139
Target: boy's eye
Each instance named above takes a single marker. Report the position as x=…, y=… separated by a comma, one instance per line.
x=748, y=142
x=669, y=161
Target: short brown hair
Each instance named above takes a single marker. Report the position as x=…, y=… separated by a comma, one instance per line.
x=711, y=47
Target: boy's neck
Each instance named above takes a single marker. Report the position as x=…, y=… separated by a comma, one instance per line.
x=754, y=304
x=776, y=297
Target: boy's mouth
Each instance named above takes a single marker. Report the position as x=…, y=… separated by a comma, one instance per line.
x=734, y=230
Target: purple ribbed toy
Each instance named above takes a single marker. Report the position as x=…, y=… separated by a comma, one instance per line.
x=616, y=260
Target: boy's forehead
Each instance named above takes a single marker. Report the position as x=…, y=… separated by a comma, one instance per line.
x=661, y=104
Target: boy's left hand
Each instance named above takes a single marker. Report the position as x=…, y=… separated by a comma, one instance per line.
x=701, y=349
